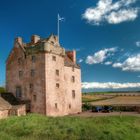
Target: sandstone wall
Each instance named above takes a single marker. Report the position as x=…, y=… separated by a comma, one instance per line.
x=73, y=105
x=38, y=80
x=55, y=97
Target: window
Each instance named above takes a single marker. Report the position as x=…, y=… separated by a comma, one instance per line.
x=33, y=59
x=18, y=92
x=34, y=97
x=69, y=106
x=32, y=72
x=57, y=72
x=57, y=85
x=73, y=94
x=54, y=58
x=20, y=61
x=73, y=68
x=56, y=105
x=31, y=87
x=20, y=74
x=73, y=79
x=52, y=42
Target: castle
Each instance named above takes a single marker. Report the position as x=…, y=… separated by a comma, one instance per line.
x=44, y=74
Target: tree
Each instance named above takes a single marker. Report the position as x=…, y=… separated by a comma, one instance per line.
x=2, y=89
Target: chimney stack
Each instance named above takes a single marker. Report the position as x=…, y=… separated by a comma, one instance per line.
x=35, y=39
x=72, y=55
x=19, y=40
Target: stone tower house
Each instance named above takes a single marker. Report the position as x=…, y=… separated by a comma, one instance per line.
x=46, y=75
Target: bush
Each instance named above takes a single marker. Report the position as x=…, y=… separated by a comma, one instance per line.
x=86, y=106
x=2, y=89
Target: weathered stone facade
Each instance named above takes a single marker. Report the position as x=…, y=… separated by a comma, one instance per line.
x=43, y=73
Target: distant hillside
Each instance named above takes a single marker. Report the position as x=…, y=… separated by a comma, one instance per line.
x=111, y=92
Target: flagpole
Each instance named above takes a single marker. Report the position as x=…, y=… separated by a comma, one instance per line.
x=58, y=27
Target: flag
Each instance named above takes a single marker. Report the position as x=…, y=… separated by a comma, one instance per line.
x=60, y=18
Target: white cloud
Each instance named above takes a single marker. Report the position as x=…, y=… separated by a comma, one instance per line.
x=132, y=63
x=113, y=13
x=138, y=43
x=109, y=85
x=108, y=63
x=122, y=15
x=100, y=56
x=117, y=65
x=80, y=60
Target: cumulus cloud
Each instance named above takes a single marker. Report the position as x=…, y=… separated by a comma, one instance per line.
x=112, y=13
x=109, y=85
x=108, y=63
x=100, y=56
x=80, y=60
x=138, y=43
x=130, y=64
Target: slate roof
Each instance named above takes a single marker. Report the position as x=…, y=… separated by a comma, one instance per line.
x=68, y=62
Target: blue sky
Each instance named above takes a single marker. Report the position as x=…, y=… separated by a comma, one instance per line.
x=105, y=33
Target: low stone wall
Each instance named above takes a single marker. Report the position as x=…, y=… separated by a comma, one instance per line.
x=21, y=110
x=4, y=114
x=18, y=110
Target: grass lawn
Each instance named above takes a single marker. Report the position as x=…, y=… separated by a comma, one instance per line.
x=37, y=127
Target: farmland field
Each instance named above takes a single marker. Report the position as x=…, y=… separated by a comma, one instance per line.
x=38, y=127
x=120, y=100
x=92, y=97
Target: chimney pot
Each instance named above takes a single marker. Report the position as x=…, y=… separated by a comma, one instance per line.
x=72, y=55
x=35, y=39
x=19, y=40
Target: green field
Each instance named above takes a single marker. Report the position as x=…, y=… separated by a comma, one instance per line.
x=37, y=127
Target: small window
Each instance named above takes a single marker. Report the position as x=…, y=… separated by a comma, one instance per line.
x=73, y=79
x=20, y=74
x=20, y=61
x=34, y=97
x=69, y=106
x=57, y=85
x=52, y=42
x=56, y=105
x=33, y=59
x=73, y=68
x=32, y=72
x=73, y=94
x=57, y=72
x=31, y=87
x=18, y=92
x=54, y=58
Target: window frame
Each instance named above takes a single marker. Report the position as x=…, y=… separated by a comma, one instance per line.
x=33, y=58
x=20, y=73
x=57, y=72
x=73, y=79
x=56, y=106
x=54, y=58
x=57, y=85
x=73, y=94
x=32, y=72
x=34, y=98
